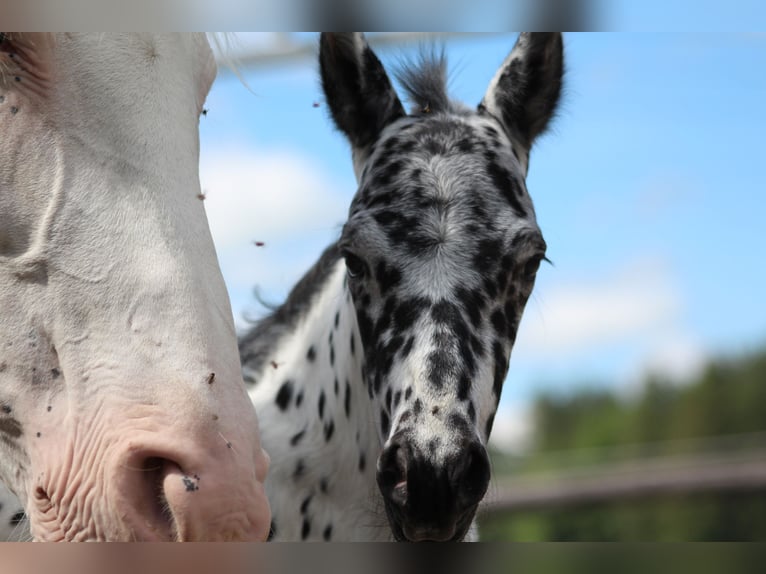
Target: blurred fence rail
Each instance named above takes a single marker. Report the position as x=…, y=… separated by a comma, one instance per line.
x=257, y=49
x=719, y=464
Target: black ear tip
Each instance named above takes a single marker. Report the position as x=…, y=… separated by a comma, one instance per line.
x=334, y=41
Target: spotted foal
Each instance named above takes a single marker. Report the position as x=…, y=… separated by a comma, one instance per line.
x=376, y=383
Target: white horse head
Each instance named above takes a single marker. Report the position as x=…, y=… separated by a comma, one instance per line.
x=122, y=409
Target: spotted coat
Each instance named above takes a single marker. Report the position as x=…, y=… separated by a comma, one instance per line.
x=378, y=380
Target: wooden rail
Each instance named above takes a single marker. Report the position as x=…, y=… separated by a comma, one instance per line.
x=665, y=476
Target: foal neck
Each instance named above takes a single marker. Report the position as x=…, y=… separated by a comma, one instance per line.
x=317, y=421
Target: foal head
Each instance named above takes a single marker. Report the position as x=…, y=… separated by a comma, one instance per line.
x=442, y=248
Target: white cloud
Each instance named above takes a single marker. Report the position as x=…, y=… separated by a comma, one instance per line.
x=263, y=195
x=279, y=198
x=678, y=355
x=573, y=316
x=512, y=429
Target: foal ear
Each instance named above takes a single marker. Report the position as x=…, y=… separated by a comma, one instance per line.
x=359, y=94
x=525, y=91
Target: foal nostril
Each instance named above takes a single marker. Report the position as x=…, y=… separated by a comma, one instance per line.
x=392, y=473
x=471, y=474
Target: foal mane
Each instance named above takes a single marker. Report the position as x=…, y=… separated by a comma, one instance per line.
x=424, y=79
x=257, y=344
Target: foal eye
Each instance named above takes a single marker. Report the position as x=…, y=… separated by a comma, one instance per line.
x=531, y=266
x=354, y=265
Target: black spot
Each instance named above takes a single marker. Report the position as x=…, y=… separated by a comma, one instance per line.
x=388, y=277
x=501, y=364
x=441, y=366
x=417, y=407
x=487, y=255
x=384, y=423
x=337, y=319
x=477, y=346
x=6, y=409
x=323, y=485
x=321, y=404
x=407, y=393
x=490, y=287
x=362, y=462
x=299, y=399
x=189, y=484
x=296, y=438
x=335, y=386
x=457, y=421
x=384, y=176
x=471, y=412
x=492, y=133
x=511, y=315
x=305, y=504
x=311, y=354
x=332, y=355
x=49, y=408
x=394, y=345
x=503, y=274
x=300, y=469
x=397, y=398
x=435, y=411
x=377, y=381
x=499, y=323
x=503, y=181
x=10, y=427
x=444, y=312
x=347, y=399
x=365, y=327
x=327, y=534
x=389, y=398
x=18, y=517
x=464, y=387
x=305, y=529
x=384, y=321
x=272, y=531
x=407, y=349
x=382, y=199
x=465, y=145
x=386, y=218
x=353, y=345
x=329, y=429
x=490, y=421
x=284, y=395
x=473, y=302
x=55, y=373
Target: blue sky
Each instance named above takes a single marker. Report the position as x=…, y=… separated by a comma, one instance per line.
x=648, y=190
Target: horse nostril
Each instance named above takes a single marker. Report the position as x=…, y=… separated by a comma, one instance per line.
x=154, y=471
x=392, y=474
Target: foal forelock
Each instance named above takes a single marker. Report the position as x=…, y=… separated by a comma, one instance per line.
x=445, y=226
